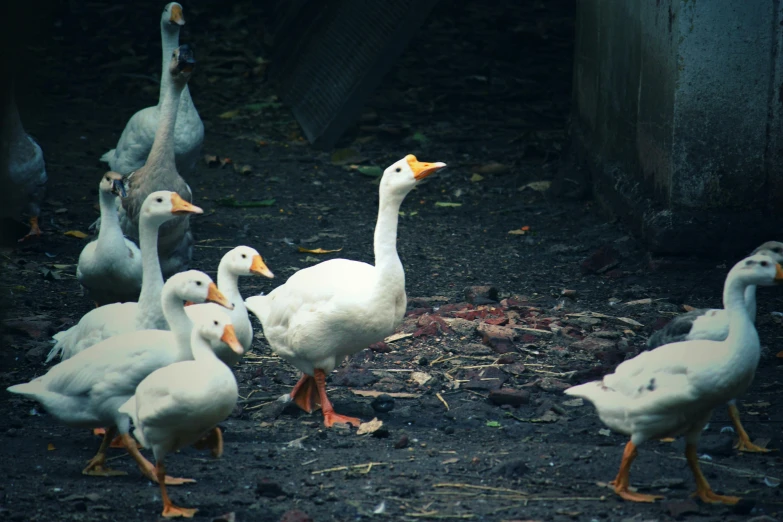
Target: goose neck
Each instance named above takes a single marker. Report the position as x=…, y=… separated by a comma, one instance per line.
x=179, y=322
x=162, y=153
x=750, y=302
x=110, y=219
x=151, y=275
x=201, y=349
x=169, y=41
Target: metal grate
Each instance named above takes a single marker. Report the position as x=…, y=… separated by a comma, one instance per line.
x=336, y=54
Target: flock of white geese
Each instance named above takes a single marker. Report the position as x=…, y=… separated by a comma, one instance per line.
x=145, y=359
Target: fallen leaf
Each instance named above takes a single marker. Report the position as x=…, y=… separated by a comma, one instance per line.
x=493, y=424
x=604, y=432
x=420, y=138
x=397, y=337
x=316, y=250
x=492, y=167
x=644, y=301
x=231, y=202
x=538, y=186
x=549, y=416
x=573, y=403
x=369, y=427
x=50, y=447
x=376, y=393
x=211, y=160
x=421, y=378
x=447, y=204
x=345, y=156
x=229, y=114
x=476, y=177
x=368, y=170
x=520, y=231
x=452, y=460
x=75, y=233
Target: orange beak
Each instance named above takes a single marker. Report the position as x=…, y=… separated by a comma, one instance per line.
x=260, y=268
x=420, y=169
x=177, y=17
x=778, y=273
x=216, y=296
x=179, y=206
x=230, y=338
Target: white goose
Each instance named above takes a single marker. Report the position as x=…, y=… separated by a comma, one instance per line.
x=178, y=405
x=334, y=309
x=239, y=261
x=137, y=138
x=672, y=390
x=713, y=324
x=175, y=240
x=26, y=167
x=110, y=268
x=113, y=319
x=87, y=390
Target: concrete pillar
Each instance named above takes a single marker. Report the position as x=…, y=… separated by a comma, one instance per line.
x=677, y=114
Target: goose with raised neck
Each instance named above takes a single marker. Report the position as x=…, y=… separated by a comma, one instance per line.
x=713, y=324
x=136, y=140
x=175, y=240
x=110, y=268
x=114, y=319
x=334, y=309
x=237, y=262
x=672, y=390
x=176, y=406
x=87, y=390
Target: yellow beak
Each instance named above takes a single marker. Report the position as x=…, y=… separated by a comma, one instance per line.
x=180, y=206
x=778, y=273
x=421, y=169
x=230, y=338
x=177, y=17
x=260, y=268
x=216, y=296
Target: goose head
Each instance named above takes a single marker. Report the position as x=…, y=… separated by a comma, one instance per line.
x=243, y=261
x=773, y=249
x=163, y=205
x=183, y=61
x=214, y=326
x=400, y=177
x=758, y=269
x=172, y=18
x=112, y=183
x=197, y=287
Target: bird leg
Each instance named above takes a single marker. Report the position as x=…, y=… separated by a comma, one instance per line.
x=116, y=442
x=304, y=392
x=96, y=466
x=703, y=489
x=169, y=509
x=744, y=443
x=35, y=230
x=212, y=441
x=146, y=467
x=622, y=482
x=330, y=417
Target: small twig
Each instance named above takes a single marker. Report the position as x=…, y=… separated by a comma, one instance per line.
x=267, y=398
x=440, y=397
x=738, y=471
x=432, y=514
x=368, y=465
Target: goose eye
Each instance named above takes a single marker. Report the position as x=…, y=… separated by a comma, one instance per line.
x=764, y=263
x=777, y=250
x=244, y=256
x=398, y=169
x=159, y=200
x=216, y=323
x=198, y=283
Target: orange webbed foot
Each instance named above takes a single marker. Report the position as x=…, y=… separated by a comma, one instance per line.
x=172, y=511
x=331, y=418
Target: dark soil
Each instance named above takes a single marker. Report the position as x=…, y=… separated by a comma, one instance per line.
x=486, y=90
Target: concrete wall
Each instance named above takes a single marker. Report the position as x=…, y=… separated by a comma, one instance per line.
x=677, y=113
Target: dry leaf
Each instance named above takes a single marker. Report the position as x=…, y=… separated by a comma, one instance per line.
x=476, y=177
x=644, y=301
x=211, y=160
x=521, y=231
x=452, y=460
x=538, y=186
x=316, y=250
x=243, y=169
x=421, y=378
x=50, y=447
x=75, y=233
x=229, y=114
x=369, y=427
x=376, y=393
x=492, y=167
x=397, y=337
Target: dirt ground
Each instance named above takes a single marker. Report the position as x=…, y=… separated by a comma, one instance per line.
x=486, y=90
